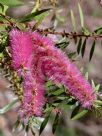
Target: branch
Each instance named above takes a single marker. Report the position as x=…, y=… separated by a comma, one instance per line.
x=7, y=19
x=68, y=34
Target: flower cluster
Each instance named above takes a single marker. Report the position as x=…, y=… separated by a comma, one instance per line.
x=35, y=57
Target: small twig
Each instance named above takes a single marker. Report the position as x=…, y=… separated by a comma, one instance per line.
x=6, y=18
x=68, y=34
x=63, y=33
x=37, y=5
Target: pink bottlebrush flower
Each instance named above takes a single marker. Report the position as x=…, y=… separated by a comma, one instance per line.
x=22, y=53
x=33, y=97
x=41, y=58
x=21, y=47
x=58, y=68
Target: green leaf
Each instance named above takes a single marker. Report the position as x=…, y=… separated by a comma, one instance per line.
x=2, y=19
x=60, y=18
x=1, y=55
x=93, y=84
x=86, y=75
x=27, y=127
x=44, y=123
x=56, y=122
x=98, y=102
x=72, y=55
x=2, y=47
x=97, y=87
x=11, y=3
x=73, y=20
x=80, y=114
x=72, y=102
x=52, y=88
x=8, y=106
x=58, y=92
x=85, y=31
x=98, y=30
x=33, y=133
x=16, y=125
x=64, y=104
x=75, y=38
x=92, y=50
x=83, y=48
x=75, y=111
x=81, y=15
x=39, y=19
x=2, y=7
x=61, y=97
x=37, y=6
x=49, y=83
x=79, y=45
x=32, y=16
x=62, y=45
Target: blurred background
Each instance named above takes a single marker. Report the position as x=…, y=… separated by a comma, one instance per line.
x=90, y=125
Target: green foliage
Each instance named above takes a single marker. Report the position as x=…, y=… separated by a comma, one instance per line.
x=44, y=123
x=80, y=115
x=72, y=55
x=92, y=50
x=79, y=45
x=11, y=3
x=32, y=16
x=2, y=7
x=98, y=30
x=73, y=20
x=58, y=98
x=63, y=43
x=56, y=123
x=83, y=48
x=75, y=111
x=39, y=19
x=81, y=15
x=8, y=107
x=95, y=87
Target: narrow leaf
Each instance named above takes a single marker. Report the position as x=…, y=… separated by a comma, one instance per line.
x=86, y=75
x=72, y=102
x=85, y=31
x=81, y=15
x=62, y=45
x=97, y=88
x=72, y=55
x=8, y=107
x=79, y=45
x=33, y=133
x=2, y=47
x=92, y=50
x=93, y=84
x=73, y=20
x=75, y=111
x=44, y=123
x=58, y=92
x=32, y=16
x=79, y=115
x=16, y=125
x=98, y=102
x=83, y=48
x=75, y=39
x=2, y=7
x=98, y=30
x=55, y=124
x=39, y=19
x=11, y=3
